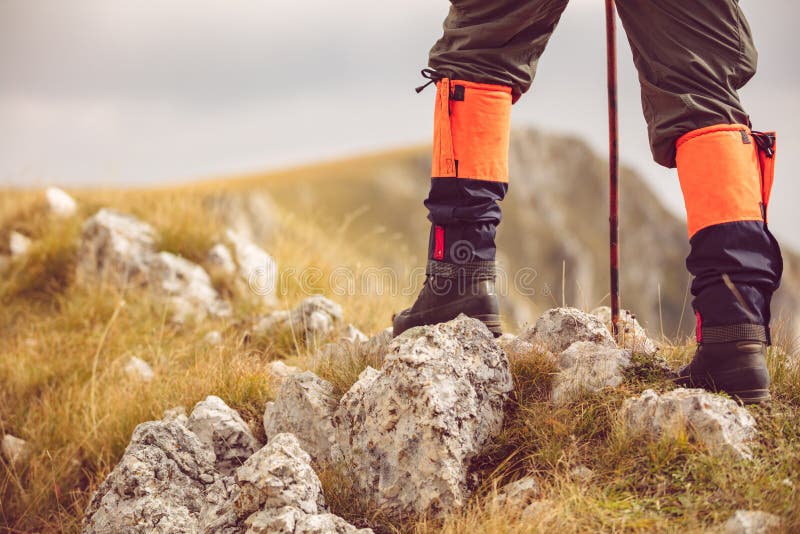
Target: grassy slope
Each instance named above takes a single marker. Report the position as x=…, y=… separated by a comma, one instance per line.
x=62, y=387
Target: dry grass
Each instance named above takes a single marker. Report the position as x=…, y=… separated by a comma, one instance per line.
x=62, y=388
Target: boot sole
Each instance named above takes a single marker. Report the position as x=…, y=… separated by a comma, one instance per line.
x=751, y=396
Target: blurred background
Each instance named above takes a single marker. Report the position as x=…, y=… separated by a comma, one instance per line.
x=98, y=92
x=120, y=94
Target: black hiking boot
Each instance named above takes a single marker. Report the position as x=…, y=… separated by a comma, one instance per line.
x=452, y=289
x=738, y=368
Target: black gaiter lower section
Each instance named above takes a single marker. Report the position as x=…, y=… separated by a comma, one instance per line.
x=467, y=213
x=737, y=266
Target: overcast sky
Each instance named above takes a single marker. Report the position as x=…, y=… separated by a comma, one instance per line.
x=111, y=92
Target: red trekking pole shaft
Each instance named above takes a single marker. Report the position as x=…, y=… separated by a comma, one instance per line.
x=613, y=161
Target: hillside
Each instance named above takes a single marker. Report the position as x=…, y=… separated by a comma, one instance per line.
x=69, y=332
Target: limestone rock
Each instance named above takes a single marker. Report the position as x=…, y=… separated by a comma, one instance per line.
x=257, y=268
x=223, y=430
x=519, y=494
x=717, y=422
x=328, y=524
x=177, y=414
x=752, y=522
x=315, y=318
x=18, y=244
x=279, y=370
x=586, y=367
x=581, y=473
x=159, y=485
x=15, y=450
x=115, y=246
x=353, y=335
x=187, y=286
x=138, y=369
x=304, y=407
x=558, y=328
x=121, y=249
x=278, y=475
x=60, y=203
x=410, y=431
x=633, y=337
x=221, y=258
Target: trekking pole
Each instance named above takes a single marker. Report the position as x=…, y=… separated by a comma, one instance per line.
x=613, y=162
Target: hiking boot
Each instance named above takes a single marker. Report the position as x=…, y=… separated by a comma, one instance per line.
x=738, y=368
x=443, y=297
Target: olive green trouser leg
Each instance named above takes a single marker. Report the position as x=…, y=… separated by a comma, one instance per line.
x=495, y=41
x=692, y=56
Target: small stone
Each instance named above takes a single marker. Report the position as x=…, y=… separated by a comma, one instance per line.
x=256, y=268
x=581, y=474
x=213, y=338
x=222, y=429
x=18, y=244
x=586, y=367
x=220, y=257
x=187, y=287
x=354, y=335
x=752, y=522
x=139, y=369
x=304, y=407
x=15, y=450
x=717, y=422
x=558, y=328
x=60, y=203
x=519, y=494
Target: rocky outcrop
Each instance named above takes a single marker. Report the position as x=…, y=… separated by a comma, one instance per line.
x=719, y=423
x=186, y=286
x=167, y=482
x=256, y=268
x=586, y=367
x=220, y=257
x=159, y=485
x=631, y=334
x=410, y=431
x=314, y=319
x=116, y=247
x=222, y=429
x=752, y=522
x=304, y=407
x=60, y=203
x=278, y=492
x=558, y=328
x=121, y=249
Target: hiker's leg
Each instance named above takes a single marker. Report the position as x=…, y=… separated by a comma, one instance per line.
x=496, y=42
x=485, y=59
x=692, y=58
